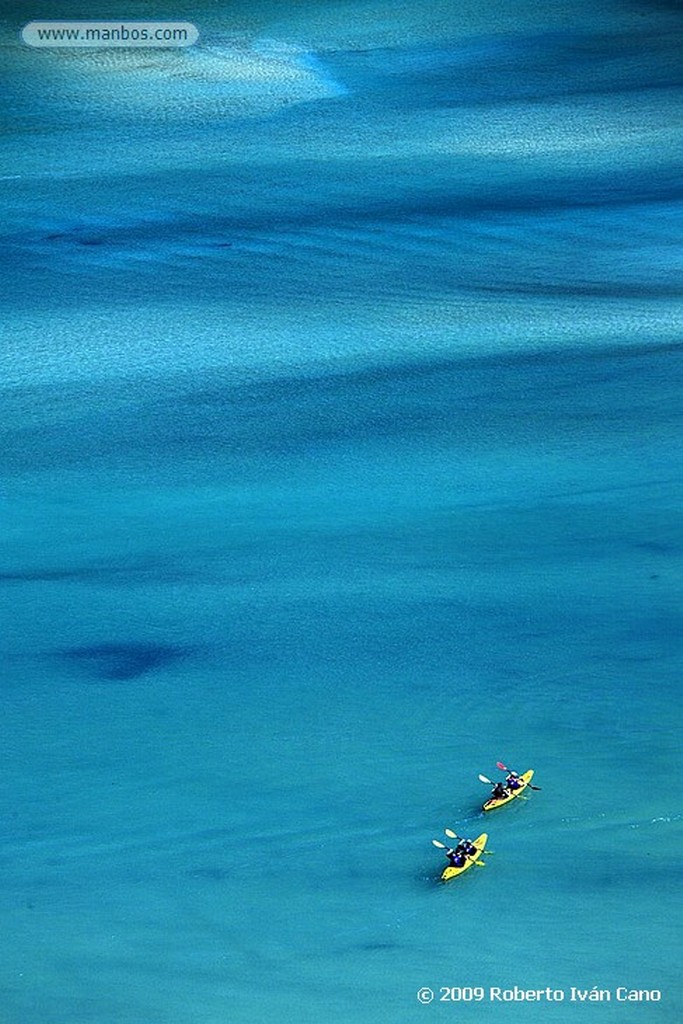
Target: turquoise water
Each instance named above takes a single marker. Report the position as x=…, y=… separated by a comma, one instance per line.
x=341, y=448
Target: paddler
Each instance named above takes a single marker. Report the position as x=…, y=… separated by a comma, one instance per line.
x=499, y=792
x=513, y=781
x=458, y=856
x=467, y=847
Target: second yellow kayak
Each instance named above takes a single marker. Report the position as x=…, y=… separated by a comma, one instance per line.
x=525, y=779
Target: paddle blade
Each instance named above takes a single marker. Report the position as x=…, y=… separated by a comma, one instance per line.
x=482, y=778
x=499, y=764
x=442, y=846
x=450, y=833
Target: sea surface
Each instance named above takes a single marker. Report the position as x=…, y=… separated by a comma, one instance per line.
x=340, y=440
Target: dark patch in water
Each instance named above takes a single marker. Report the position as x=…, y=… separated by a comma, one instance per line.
x=372, y=947
x=657, y=547
x=121, y=662
x=212, y=874
x=29, y=576
x=138, y=572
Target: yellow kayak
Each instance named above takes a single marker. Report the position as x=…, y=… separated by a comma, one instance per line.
x=525, y=779
x=451, y=872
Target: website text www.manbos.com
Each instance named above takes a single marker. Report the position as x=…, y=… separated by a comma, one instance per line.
x=110, y=33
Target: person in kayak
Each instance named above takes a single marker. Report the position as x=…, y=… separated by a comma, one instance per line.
x=456, y=858
x=466, y=847
x=513, y=781
x=459, y=856
x=499, y=792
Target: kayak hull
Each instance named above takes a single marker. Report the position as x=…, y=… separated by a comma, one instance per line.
x=525, y=779
x=452, y=872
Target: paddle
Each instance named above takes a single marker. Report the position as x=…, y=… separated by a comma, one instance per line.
x=454, y=835
x=499, y=764
x=442, y=846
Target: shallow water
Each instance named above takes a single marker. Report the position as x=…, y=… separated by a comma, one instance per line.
x=341, y=440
